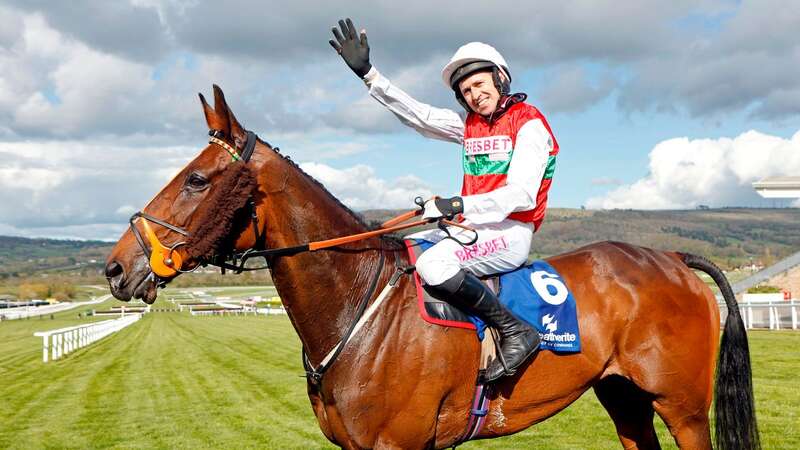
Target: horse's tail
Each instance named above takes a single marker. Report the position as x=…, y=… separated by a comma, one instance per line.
x=734, y=410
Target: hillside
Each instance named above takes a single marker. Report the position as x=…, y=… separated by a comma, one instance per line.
x=23, y=256
x=730, y=237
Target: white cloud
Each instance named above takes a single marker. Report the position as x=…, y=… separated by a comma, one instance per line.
x=51, y=184
x=59, y=86
x=360, y=188
x=93, y=90
x=95, y=231
x=73, y=189
x=685, y=173
x=126, y=210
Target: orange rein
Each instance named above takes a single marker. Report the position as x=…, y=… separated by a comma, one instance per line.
x=390, y=226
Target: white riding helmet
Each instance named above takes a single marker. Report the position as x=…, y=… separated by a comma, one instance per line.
x=470, y=58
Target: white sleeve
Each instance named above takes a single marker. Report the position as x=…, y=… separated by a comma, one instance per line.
x=437, y=123
x=525, y=172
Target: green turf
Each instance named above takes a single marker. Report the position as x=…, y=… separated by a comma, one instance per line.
x=176, y=381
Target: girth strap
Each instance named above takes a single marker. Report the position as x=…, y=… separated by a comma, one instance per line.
x=316, y=374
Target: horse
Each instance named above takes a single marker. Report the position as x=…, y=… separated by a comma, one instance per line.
x=650, y=328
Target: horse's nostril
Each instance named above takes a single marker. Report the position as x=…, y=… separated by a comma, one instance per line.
x=113, y=269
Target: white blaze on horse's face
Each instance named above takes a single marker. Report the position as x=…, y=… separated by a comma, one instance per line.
x=480, y=93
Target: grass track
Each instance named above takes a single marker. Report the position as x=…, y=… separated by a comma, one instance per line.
x=176, y=381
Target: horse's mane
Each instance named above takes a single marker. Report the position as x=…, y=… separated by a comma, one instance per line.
x=395, y=242
x=356, y=216
x=226, y=209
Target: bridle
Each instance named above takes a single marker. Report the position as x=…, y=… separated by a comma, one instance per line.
x=164, y=260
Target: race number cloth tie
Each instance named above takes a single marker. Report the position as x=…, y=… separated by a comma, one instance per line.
x=535, y=293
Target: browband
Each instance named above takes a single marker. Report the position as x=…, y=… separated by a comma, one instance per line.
x=249, y=146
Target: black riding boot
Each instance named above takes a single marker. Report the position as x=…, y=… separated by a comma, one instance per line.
x=518, y=339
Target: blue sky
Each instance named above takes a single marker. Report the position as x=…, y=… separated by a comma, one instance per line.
x=654, y=104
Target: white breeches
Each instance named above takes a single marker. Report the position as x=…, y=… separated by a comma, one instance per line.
x=501, y=247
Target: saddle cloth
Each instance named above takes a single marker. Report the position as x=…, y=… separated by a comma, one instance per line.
x=535, y=293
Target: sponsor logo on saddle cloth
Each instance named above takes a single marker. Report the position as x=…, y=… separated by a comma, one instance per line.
x=496, y=148
x=537, y=294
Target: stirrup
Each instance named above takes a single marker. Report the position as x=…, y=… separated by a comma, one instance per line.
x=499, y=347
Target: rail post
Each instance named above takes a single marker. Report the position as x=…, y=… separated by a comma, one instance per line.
x=58, y=343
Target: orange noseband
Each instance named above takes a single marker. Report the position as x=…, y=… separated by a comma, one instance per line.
x=164, y=261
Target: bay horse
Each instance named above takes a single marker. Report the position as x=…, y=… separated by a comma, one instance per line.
x=650, y=328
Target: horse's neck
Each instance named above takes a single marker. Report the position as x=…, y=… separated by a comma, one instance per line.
x=320, y=290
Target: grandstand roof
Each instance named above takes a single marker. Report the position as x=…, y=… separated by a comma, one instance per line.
x=778, y=187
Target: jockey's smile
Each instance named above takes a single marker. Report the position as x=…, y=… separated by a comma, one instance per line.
x=480, y=93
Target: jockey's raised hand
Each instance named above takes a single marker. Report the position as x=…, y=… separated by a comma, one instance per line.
x=437, y=208
x=352, y=46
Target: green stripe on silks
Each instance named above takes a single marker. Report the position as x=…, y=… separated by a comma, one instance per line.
x=481, y=165
x=551, y=168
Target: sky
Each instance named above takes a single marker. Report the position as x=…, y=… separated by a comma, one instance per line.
x=655, y=105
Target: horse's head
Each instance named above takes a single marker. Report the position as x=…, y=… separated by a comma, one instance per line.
x=202, y=214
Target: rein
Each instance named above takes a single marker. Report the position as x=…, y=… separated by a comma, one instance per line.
x=166, y=261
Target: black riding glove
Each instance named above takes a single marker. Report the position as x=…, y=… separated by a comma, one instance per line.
x=436, y=208
x=353, y=49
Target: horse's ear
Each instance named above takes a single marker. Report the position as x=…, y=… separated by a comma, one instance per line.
x=233, y=128
x=214, y=120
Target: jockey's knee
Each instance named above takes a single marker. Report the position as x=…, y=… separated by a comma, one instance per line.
x=435, y=270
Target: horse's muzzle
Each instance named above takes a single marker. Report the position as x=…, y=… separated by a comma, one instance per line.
x=139, y=283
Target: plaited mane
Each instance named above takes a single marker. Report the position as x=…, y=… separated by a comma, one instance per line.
x=214, y=235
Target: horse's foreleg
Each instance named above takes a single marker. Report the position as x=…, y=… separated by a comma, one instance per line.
x=631, y=410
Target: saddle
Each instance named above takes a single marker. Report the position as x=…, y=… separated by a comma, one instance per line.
x=535, y=293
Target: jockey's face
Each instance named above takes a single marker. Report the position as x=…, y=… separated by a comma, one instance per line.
x=480, y=92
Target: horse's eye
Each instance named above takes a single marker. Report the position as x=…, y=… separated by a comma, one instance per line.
x=196, y=182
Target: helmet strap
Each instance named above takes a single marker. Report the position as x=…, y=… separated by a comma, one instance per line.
x=501, y=82
x=463, y=102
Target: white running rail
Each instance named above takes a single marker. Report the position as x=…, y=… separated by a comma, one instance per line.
x=57, y=343
x=773, y=315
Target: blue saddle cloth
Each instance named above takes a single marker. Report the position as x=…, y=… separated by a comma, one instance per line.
x=535, y=293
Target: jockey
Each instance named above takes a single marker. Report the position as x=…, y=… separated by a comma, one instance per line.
x=508, y=156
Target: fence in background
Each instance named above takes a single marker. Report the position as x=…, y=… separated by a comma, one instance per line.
x=57, y=343
x=778, y=315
